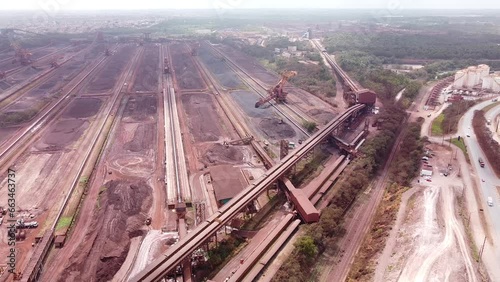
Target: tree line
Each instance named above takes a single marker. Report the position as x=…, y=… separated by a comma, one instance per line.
x=490, y=147
x=322, y=237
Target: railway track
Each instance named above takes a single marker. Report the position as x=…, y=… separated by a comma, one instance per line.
x=13, y=53
x=241, y=129
x=24, y=136
x=347, y=80
x=18, y=69
x=261, y=90
x=20, y=90
x=177, y=253
x=263, y=254
x=35, y=262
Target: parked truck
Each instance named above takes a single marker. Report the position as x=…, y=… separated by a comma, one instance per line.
x=481, y=162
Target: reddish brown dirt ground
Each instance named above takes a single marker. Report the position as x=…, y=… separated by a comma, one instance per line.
x=42, y=176
x=41, y=95
x=218, y=67
x=123, y=193
x=249, y=64
x=119, y=216
x=140, y=108
x=106, y=78
x=186, y=74
x=216, y=154
x=147, y=74
x=275, y=129
x=62, y=134
x=323, y=117
x=83, y=108
x=201, y=117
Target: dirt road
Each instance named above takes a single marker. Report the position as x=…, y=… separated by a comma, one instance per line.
x=358, y=225
x=435, y=255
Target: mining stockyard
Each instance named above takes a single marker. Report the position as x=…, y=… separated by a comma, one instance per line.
x=165, y=148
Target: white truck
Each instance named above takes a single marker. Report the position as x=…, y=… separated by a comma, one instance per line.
x=490, y=201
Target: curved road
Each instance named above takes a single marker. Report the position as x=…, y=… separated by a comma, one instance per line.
x=488, y=187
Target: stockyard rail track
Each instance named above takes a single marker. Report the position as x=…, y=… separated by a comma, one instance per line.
x=177, y=253
x=13, y=52
x=35, y=264
x=250, y=81
x=347, y=80
x=241, y=129
x=287, y=227
x=20, y=90
x=254, y=264
x=19, y=68
x=180, y=175
x=22, y=138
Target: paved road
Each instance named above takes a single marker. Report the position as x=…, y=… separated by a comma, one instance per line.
x=491, y=181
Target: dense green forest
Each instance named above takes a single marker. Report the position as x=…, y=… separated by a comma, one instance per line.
x=445, y=46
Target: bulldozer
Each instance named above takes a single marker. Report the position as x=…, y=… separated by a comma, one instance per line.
x=277, y=92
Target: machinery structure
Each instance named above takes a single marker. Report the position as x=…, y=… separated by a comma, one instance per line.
x=166, y=68
x=22, y=55
x=194, y=48
x=242, y=141
x=277, y=92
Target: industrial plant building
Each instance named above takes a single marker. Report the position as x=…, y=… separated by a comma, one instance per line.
x=477, y=77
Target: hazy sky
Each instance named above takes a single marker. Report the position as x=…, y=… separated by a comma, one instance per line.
x=208, y=4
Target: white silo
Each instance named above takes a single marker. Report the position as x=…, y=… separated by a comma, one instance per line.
x=484, y=70
x=495, y=83
x=472, y=77
x=487, y=82
x=460, y=78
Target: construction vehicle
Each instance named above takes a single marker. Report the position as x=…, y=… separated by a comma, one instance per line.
x=21, y=55
x=20, y=224
x=277, y=92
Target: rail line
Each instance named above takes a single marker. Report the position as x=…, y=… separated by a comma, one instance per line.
x=34, y=264
x=31, y=129
x=31, y=83
x=177, y=253
x=350, y=83
x=18, y=69
x=13, y=53
x=238, y=70
x=240, y=128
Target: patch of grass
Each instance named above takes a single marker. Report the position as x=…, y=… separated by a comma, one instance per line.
x=64, y=222
x=461, y=145
x=437, y=129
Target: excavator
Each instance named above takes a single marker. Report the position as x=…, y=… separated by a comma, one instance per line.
x=277, y=92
